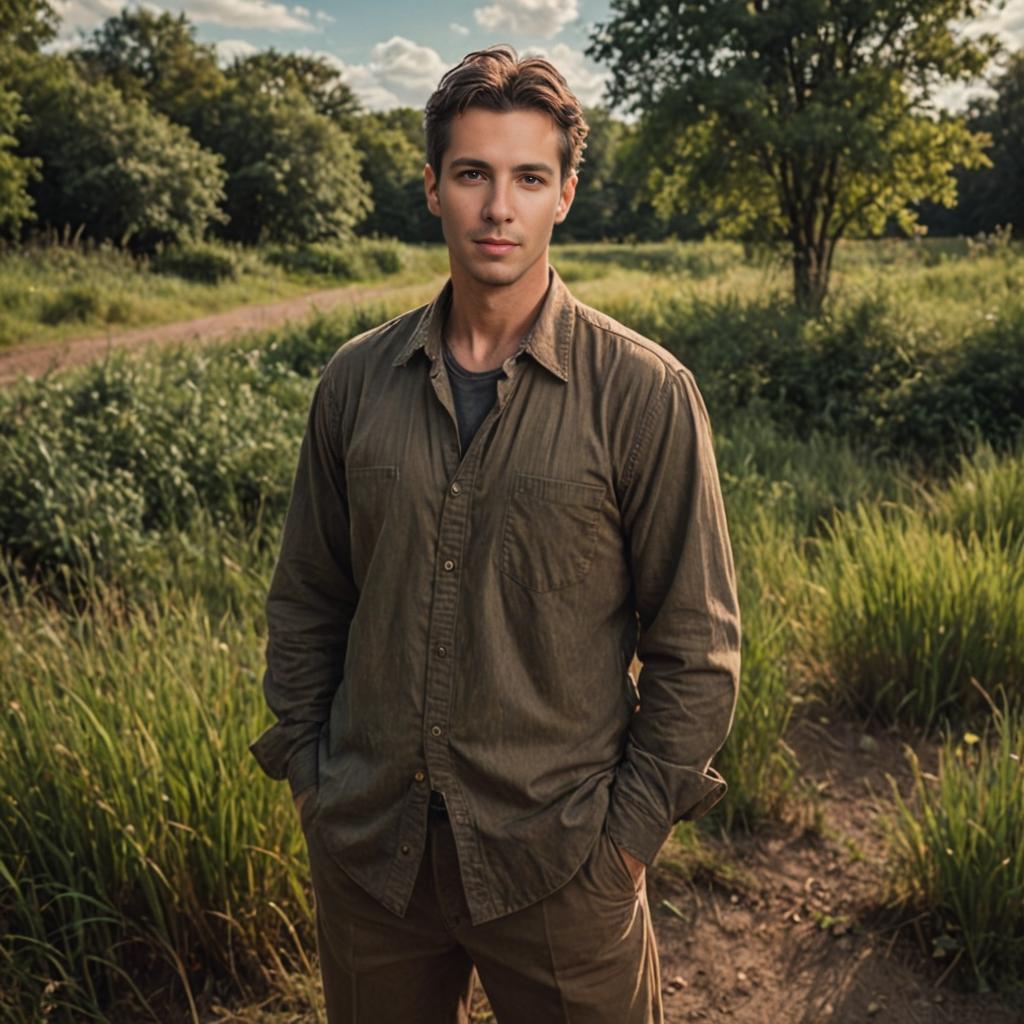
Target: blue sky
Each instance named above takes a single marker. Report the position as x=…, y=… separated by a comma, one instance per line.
x=392, y=52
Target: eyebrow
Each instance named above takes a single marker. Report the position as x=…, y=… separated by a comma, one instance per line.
x=464, y=161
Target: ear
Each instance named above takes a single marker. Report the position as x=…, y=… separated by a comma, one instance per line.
x=430, y=190
x=566, y=198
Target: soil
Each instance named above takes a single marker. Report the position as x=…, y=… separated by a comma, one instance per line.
x=47, y=357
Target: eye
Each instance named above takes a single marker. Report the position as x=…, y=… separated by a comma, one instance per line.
x=471, y=170
x=537, y=180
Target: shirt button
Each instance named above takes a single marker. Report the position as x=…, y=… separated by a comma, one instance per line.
x=456, y=487
x=441, y=650
x=449, y=565
x=420, y=776
x=435, y=730
x=405, y=847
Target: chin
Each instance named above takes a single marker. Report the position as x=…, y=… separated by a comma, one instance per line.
x=496, y=275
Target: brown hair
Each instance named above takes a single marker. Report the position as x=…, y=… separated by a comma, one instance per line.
x=497, y=79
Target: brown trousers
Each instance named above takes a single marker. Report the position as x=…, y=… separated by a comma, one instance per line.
x=586, y=954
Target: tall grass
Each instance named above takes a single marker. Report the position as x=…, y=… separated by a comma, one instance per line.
x=909, y=614
x=957, y=851
x=139, y=843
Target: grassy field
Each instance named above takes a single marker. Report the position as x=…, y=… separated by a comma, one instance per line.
x=873, y=472
x=51, y=292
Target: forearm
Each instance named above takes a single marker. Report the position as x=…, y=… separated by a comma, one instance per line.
x=689, y=642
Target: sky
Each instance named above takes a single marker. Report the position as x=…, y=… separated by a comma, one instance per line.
x=393, y=52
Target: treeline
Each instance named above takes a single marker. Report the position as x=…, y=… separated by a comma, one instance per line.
x=140, y=136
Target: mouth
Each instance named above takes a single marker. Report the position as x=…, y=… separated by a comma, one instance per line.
x=495, y=246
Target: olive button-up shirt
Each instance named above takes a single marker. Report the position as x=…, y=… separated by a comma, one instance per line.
x=466, y=622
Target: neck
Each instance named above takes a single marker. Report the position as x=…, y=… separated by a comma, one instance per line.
x=487, y=322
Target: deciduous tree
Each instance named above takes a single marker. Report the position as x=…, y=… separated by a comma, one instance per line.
x=796, y=120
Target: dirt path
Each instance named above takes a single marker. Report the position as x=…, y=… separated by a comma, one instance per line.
x=35, y=360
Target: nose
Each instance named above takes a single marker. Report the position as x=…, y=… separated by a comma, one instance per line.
x=498, y=205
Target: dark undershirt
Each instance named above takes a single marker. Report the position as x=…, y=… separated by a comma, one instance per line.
x=474, y=392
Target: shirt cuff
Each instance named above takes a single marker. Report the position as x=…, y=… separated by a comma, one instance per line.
x=303, y=771
x=634, y=830
x=275, y=755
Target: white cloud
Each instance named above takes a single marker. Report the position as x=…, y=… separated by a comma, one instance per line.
x=261, y=14
x=85, y=15
x=1007, y=23
x=585, y=78
x=324, y=16
x=459, y=30
x=229, y=49
x=399, y=73
x=1008, y=26
x=543, y=18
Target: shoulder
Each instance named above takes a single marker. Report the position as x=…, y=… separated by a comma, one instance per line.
x=626, y=351
x=373, y=348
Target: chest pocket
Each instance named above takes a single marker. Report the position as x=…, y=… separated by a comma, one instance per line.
x=550, y=531
x=369, y=494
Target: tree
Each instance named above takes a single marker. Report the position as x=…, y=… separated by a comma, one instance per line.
x=293, y=175
x=277, y=73
x=995, y=197
x=154, y=58
x=113, y=165
x=797, y=121
x=15, y=171
x=26, y=24
x=393, y=147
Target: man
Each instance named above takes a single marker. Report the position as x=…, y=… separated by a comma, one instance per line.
x=500, y=497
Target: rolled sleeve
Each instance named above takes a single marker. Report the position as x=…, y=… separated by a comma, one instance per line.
x=689, y=623
x=310, y=604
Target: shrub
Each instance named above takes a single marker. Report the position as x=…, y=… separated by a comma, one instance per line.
x=198, y=261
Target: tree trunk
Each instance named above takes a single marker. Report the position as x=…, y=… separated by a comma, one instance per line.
x=812, y=263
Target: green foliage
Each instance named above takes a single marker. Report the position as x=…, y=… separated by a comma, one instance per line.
x=293, y=175
x=270, y=71
x=155, y=58
x=199, y=261
x=956, y=852
x=796, y=122
x=95, y=466
x=15, y=171
x=865, y=372
x=992, y=197
x=26, y=24
x=348, y=261
x=113, y=165
x=393, y=159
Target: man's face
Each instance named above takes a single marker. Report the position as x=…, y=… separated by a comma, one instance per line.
x=499, y=183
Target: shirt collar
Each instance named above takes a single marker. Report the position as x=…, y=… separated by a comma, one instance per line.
x=548, y=340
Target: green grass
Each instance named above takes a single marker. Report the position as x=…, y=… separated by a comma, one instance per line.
x=50, y=292
x=957, y=852
x=874, y=495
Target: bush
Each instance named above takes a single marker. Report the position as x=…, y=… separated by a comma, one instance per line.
x=76, y=304
x=342, y=260
x=198, y=261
